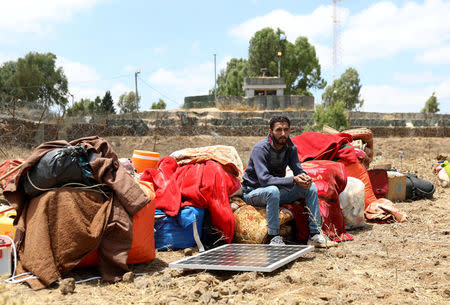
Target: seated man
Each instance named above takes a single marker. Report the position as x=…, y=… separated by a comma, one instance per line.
x=265, y=183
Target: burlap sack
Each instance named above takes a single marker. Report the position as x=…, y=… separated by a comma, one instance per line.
x=251, y=224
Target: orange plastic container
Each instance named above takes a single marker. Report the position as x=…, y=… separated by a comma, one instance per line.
x=143, y=245
x=143, y=159
x=6, y=222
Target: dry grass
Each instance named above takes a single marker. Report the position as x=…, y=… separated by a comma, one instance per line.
x=405, y=263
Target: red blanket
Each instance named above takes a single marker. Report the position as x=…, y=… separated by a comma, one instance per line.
x=203, y=185
x=7, y=167
x=330, y=179
x=319, y=146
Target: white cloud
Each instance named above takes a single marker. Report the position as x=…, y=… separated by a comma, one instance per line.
x=77, y=72
x=91, y=92
x=33, y=16
x=188, y=81
x=416, y=78
x=117, y=90
x=437, y=56
x=314, y=25
x=81, y=78
x=443, y=92
x=384, y=30
x=191, y=80
x=324, y=54
x=387, y=98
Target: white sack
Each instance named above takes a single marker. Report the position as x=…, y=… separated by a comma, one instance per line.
x=444, y=180
x=352, y=203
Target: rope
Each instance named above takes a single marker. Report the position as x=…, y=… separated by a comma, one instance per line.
x=70, y=184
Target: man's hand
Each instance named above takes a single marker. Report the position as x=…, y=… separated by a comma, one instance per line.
x=303, y=180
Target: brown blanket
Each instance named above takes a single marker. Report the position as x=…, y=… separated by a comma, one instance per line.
x=61, y=226
x=128, y=199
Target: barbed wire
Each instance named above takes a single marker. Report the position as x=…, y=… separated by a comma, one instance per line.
x=151, y=129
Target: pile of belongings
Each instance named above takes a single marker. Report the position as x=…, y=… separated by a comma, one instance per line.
x=346, y=197
x=98, y=211
x=73, y=199
x=190, y=184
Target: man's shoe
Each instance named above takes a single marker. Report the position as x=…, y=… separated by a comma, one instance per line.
x=277, y=241
x=321, y=241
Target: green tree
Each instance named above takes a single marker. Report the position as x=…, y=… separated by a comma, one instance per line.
x=263, y=49
x=345, y=89
x=82, y=108
x=39, y=82
x=299, y=64
x=159, y=105
x=431, y=105
x=98, y=105
x=128, y=103
x=231, y=80
x=8, y=101
x=302, y=70
x=107, y=104
x=334, y=116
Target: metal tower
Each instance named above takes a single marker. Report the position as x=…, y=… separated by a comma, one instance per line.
x=336, y=37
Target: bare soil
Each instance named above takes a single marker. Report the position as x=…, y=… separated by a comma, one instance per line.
x=399, y=263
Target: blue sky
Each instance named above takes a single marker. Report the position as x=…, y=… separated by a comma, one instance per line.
x=401, y=49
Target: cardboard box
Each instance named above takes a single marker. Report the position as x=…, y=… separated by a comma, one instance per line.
x=397, y=186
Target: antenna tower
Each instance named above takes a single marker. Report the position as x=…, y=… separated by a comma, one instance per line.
x=336, y=37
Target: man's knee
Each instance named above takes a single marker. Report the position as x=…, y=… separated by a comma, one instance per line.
x=272, y=192
x=263, y=196
x=313, y=188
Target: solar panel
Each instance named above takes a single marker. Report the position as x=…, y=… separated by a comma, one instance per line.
x=243, y=257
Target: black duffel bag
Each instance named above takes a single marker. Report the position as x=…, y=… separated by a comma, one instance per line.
x=56, y=168
x=417, y=188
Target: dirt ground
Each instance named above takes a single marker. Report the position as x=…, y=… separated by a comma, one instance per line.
x=400, y=263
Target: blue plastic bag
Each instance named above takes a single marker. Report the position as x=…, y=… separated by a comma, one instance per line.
x=177, y=232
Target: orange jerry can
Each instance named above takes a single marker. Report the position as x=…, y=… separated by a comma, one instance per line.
x=6, y=222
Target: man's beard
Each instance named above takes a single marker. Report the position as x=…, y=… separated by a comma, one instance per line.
x=280, y=140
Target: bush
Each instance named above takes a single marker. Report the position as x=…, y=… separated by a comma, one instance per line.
x=333, y=116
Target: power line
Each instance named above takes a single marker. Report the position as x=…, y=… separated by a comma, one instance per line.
x=158, y=91
x=103, y=79
x=88, y=81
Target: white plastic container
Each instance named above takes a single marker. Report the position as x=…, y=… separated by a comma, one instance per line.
x=5, y=255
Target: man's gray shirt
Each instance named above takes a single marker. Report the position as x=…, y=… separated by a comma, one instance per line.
x=267, y=165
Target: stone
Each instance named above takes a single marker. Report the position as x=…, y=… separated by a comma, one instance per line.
x=67, y=285
x=128, y=277
x=188, y=252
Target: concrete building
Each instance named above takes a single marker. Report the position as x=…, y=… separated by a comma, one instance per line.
x=264, y=85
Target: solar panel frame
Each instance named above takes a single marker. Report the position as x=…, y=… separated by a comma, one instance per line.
x=237, y=257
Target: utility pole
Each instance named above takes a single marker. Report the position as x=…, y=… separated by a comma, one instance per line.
x=279, y=63
x=215, y=80
x=137, y=95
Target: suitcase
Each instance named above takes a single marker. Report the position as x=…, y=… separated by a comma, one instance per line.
x=379, y=180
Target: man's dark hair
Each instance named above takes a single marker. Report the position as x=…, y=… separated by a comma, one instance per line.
x=279, y=119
